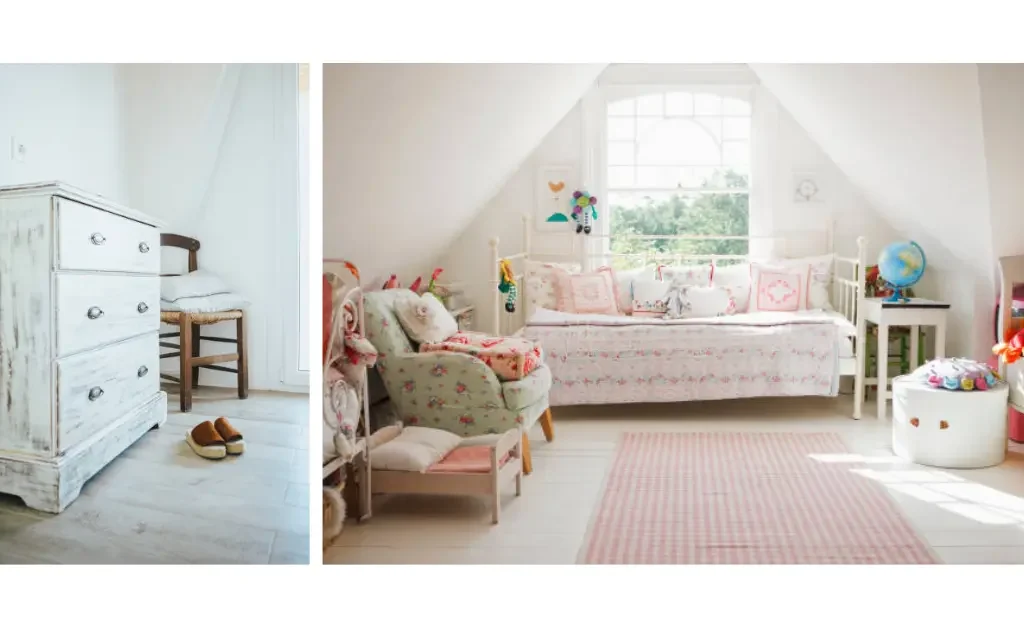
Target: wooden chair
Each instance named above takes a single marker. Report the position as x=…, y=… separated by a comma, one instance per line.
x=190, y=335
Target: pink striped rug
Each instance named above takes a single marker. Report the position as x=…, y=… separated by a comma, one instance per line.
x=744, y=498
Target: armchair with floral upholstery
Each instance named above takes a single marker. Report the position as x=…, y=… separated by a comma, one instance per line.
x=455, y=392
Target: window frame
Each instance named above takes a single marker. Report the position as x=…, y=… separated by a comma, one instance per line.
x=595, y=145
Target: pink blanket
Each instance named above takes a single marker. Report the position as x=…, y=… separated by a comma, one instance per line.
x=509, y=358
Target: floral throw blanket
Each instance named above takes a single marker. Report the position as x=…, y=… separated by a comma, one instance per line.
x=510, y=358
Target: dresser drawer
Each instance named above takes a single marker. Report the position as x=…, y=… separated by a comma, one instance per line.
x=94, y=310
x=92, y=239
x=99, y=387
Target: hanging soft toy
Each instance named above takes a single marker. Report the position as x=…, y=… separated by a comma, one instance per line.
x=508, y=285
x=583, y=210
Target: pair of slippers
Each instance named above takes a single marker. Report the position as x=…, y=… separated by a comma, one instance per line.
x=215, y=440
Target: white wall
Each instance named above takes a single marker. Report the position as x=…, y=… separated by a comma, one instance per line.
x=1002, y=104
x=412, y=152
x=212, y=152
x=910, y=138
x=780, y=147
x=68, y=118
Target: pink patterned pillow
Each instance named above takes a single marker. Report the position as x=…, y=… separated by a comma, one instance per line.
x=587, y=293
x=778, y=288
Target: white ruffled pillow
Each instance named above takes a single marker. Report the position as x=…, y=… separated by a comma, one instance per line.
x=425, y=319
x=698, y=302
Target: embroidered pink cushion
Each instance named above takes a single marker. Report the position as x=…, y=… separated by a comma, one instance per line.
x=468, y=459
x=510, y=358
x=778, y=288
x=587, y=293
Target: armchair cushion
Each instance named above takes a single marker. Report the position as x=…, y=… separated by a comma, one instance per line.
x=527, y=391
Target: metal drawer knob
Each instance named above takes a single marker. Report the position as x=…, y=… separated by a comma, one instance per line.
x=97, y=238
x=142, y=371
x=143, y=247
x=143, y=308
x=94, y=312
x=95, y=393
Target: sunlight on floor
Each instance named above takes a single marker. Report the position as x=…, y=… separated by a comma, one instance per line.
x=943, y=489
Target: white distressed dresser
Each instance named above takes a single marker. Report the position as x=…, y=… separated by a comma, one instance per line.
x=79, y=353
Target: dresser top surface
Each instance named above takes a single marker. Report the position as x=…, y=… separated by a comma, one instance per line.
x=70, y=192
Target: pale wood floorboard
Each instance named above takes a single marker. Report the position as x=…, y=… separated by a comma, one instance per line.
x=968, y=516
x=160, y=503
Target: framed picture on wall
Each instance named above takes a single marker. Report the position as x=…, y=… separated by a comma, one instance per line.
x=806, y=187
x=555, y=185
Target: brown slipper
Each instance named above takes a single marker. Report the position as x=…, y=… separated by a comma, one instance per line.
x=206, y=442
x=233, y=440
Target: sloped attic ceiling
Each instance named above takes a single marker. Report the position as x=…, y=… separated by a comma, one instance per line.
x=412, y=152
x=911, y=138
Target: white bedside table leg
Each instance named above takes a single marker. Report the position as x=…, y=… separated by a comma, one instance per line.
x=858, y=379
x=882, y=357
x=915, y=343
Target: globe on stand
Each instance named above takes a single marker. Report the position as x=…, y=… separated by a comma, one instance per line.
x=901, y=265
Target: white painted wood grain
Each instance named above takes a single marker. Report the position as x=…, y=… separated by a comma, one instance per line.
x=93, y=239
x=97, y=387
x=60, y=189
x=114, y=301
x=25, y=333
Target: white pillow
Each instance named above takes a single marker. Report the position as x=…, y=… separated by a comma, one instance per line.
x=819, y=282
x=778, y=288
x=649, y=298
x=690, y=275
x=735, y=279
x=539, y=278
x=624, y=286
x=425, y=319
x=698, y=302
x=199, y=283
x=415, y=449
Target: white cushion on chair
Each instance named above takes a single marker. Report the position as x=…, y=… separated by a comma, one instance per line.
x=425, y=319
x=198, y=283
x=206, y=305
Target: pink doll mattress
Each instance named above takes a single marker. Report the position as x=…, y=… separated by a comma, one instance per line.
x=470, y=459
x=509, y=358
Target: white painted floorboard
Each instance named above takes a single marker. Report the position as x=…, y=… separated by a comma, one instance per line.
x=970, y=516
x=160, y=503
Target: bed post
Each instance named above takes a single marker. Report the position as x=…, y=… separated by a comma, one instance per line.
x=862, y=341
x=495, y=282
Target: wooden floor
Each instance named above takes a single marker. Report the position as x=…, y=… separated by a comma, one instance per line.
x=160, y=503
x=973, y=516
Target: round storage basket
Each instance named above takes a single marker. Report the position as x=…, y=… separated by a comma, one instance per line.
x=958, y=429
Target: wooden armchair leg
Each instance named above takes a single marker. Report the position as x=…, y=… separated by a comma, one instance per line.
x=185, y=360
x=243, y=360
x=196, y=332
x=527, y=461
x=548, y=425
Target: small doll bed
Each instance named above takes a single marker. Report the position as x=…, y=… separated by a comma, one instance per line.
x=427, y=461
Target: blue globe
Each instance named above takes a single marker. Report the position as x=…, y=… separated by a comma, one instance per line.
x=901, y=265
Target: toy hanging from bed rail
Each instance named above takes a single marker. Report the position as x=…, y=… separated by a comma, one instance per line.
x=507, y=286
x=583, y=212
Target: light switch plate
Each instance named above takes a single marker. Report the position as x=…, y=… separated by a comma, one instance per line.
x=18, y=150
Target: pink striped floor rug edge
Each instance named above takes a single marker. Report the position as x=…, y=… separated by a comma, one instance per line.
x=744, y=498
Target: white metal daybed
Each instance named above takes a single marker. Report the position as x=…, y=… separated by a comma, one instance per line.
x=608, y=359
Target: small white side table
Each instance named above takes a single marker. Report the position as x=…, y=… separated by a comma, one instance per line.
x=914, y=313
